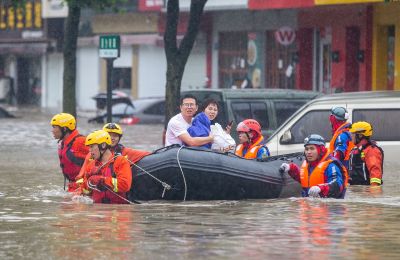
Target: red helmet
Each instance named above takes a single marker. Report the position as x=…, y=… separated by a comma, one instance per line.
x=247, y=125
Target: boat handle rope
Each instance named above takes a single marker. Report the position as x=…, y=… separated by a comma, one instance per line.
x=164, y=184
x=183, y=175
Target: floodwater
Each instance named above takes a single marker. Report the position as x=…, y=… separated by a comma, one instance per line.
x=38, y=220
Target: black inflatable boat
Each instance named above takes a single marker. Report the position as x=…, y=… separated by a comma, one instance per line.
x=183, y=173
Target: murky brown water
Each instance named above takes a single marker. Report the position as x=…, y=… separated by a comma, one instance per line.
x=38, y=220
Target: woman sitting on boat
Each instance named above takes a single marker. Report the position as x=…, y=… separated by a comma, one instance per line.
x=252, y=143
x=321, y=174
x=202, y=124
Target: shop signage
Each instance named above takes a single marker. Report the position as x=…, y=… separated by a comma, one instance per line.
x=278, y=4
x=54, y=9
x=333, y=2
x=109, y=46
x=150, y=5
x=27, y=17
x=285, y=35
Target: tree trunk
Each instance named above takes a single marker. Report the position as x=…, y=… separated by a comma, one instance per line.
x=70, y=45
x=178, y=56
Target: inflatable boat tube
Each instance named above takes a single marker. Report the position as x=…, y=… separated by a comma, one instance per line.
x=183, y=173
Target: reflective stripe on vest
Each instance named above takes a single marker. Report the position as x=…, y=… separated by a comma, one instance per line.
x=251, y=151
x=359, y=172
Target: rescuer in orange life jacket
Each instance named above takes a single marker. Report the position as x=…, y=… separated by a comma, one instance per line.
x=366, y=159
x=341, y=143
x=116, y=148
x=71, y=147
x=321, y=174
x=107, y=177
x=252, y=143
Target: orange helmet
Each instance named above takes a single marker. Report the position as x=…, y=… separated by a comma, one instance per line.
x=248, y=125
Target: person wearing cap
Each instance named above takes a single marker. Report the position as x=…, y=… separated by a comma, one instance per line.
x=251, y=142
x=321, y=174
x=117, y=148
x=71, y=147
x=341, y=143
x=107, y=177
x=366, y=158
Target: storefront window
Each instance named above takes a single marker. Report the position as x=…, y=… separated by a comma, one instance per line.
x=280, y=59
x=232, y=59
x=122, y=78
x=390, y=57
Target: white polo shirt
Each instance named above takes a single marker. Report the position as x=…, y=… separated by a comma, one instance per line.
x=177, y=126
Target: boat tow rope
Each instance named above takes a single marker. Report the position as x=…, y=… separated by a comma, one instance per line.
x=165, y=185
x=183, y=175
x=122, y=198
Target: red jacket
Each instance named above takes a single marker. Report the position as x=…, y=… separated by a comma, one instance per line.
x=132, y=155
x=118, y=178
x=72, y=152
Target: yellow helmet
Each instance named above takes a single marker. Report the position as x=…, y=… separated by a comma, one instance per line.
x=361, y=127
x=64, y=120
x=112, y=128
x=98, y=137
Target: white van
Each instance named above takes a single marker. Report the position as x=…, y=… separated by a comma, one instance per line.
x=380, y=108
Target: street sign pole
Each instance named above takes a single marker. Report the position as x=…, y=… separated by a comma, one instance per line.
x=109, y=49
x=109, y=88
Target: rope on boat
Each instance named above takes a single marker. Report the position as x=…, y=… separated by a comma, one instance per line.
x=165, y=185
x=116, y=194
x=183, y=175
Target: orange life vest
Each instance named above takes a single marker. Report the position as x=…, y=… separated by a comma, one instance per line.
x=317, y=176
x=343, y=128
x=251, y=151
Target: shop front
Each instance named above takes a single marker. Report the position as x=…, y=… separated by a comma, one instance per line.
x=335, y=48
x=22, y=46
x=386, y=47
x=255, y=49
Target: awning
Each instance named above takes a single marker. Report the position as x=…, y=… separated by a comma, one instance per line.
x=282, y=4
x=126, y=40
x=36, y=48
x=279, y=4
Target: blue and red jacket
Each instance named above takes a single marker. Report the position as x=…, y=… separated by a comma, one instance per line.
x=328, y=174
x=341, y=142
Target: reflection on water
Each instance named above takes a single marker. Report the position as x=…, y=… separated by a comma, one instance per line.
x=39, y=220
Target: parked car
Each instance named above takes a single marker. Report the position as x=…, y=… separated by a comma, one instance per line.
x=380, y=108
x=143, y=110
x=4, y=113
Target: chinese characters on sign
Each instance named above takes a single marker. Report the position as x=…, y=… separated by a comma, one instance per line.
x=109, y=46
x=27, y=17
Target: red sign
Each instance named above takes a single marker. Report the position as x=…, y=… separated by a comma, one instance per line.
x=279, y=4
x=150, y=5
x=285, y=35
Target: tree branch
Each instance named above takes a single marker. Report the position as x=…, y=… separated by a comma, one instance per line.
x=171, y=29
x=196, y=11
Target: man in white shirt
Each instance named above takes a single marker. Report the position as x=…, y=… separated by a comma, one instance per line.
x=177, y=126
